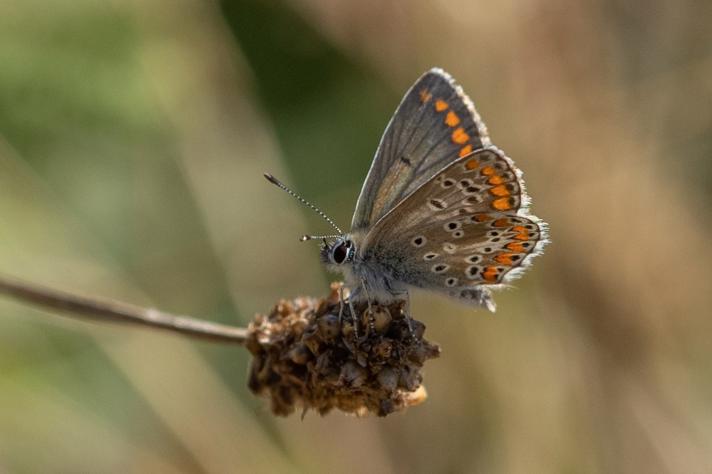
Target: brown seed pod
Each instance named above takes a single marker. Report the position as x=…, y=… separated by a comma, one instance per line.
x=306, y=354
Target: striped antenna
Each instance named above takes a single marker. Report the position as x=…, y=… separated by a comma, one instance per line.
x=311, y=206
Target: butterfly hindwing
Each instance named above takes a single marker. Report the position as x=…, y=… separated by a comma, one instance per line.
x=474, y=253
x=434, y=124
x=467, y=226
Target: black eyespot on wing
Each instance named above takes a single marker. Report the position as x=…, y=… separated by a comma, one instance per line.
x=437, y=204
x=439, y=268
x=472, y=272
x=418, y=241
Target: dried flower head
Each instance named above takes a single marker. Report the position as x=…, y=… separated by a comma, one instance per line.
x=307, y=354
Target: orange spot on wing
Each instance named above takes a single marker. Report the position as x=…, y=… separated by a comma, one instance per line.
x=501, y=204
x=459, y=136
x=472, y=163
x=500, y=191
x=496, y=180
x=487, y=171
x=505, y=259
x=503, y=222
x=523, y=233
x=482, y=217
x=490, y=274
x=425, y=95
x=451, y=119
x=515, y=247
x=440, y=105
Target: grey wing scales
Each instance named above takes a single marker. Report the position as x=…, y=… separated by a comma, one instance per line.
x=465, y=229
x=434, y=124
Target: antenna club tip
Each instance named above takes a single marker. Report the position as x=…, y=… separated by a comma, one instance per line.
x=270, y=178
x=304, y=238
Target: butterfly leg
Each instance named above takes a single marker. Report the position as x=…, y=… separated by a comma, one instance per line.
x=403, y=295
x=341, y=304
x=354, y=319
x=365, y=290
x=352, y=310
x=371, y=321
x=406, y=311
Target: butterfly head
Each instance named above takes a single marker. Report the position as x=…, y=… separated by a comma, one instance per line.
x=341, y=251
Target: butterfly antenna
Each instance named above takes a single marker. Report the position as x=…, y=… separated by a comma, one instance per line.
x=304, y=238
x=311, y=206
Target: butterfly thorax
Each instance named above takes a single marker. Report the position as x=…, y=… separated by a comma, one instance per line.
x=364, y=272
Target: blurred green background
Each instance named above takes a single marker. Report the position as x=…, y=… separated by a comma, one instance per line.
x=133, y=135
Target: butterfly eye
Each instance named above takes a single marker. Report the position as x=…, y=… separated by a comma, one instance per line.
x=341, y=252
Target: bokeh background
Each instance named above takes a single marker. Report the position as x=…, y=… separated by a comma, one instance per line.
x=133, y=135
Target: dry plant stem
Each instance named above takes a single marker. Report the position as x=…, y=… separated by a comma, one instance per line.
x=304, y=354
x=113, y=311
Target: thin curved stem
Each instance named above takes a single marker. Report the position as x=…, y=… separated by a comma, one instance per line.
x=102, y=310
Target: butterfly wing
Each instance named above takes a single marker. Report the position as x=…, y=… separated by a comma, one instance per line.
x=466, y=227
x=434, y=124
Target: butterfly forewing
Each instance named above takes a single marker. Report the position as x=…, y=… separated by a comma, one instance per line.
x=463, y=228
x=435, y=124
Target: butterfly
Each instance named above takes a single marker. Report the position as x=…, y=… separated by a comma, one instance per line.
x=441, y=208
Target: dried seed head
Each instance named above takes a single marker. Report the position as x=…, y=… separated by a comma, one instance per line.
x=329, y=326
x=381, y=319
x=388, y=378
x=306, y=355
